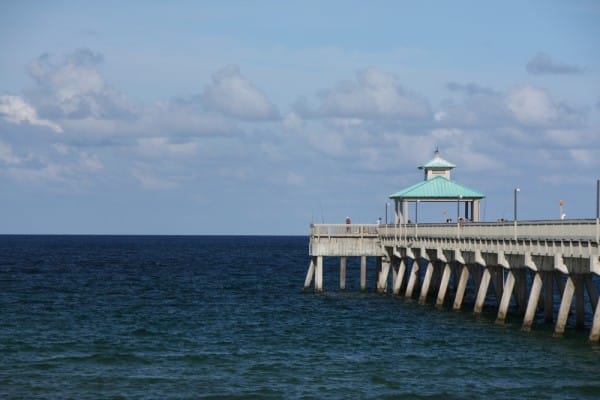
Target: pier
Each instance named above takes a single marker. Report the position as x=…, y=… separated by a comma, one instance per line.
x=543, y=269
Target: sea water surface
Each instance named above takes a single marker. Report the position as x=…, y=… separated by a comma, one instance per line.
x=100, y=317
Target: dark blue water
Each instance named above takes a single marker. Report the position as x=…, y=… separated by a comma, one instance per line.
x=226, y=317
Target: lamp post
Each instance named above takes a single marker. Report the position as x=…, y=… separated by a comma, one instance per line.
x=417, y=212
x=517, y=190
x=598, y=199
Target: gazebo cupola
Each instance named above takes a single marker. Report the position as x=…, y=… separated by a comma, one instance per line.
x=437, y=187
x=437, y=167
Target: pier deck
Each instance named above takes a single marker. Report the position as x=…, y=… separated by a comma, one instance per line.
x=526, y=261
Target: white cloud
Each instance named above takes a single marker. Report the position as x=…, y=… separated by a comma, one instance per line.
x=233, y=95
x=375, y=94
x=531, y=105
x=524, y=106
x=15, y=109
x=74, y=88
x=162, y=146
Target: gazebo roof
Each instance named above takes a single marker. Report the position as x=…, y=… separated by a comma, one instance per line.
x=437, y=163
x=438, y=188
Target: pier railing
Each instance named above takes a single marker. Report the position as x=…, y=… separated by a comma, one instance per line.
x=581, y=230
x=560, y=230
x=344, y=230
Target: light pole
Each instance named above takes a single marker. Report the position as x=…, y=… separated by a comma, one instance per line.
x=517, y=190
x=417, y=212
x=598, y=199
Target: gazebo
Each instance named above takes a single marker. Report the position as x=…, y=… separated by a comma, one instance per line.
x=437, y=187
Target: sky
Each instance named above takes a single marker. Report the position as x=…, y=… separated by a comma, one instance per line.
x=261, y=117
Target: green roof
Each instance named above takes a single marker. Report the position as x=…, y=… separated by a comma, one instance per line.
x=437, y=188
x=438, y=162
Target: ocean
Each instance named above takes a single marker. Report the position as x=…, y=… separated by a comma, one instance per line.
x=167, y=317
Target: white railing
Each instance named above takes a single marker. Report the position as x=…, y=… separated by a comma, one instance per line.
x=344, y=230
x=563, y=230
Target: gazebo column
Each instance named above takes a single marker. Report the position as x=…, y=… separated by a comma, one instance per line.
x=475, y=211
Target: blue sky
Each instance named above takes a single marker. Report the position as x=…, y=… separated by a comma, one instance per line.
x=259, y=117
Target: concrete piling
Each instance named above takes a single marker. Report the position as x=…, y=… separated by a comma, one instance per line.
x=534, y=297
x=426, y=283
x=482, y=292
x=462, y=286
x=343, y=261
x=565, y=307
x=412, y=279
x=399, y=277
x=443, y=286
x=310, y=274
x=506, y=295
x=363, y=273
x=319, y=274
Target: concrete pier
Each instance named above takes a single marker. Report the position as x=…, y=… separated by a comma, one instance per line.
x=524, y=269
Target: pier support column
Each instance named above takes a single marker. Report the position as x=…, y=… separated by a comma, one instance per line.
x=534, y=298
x=319, y=274
x=382, y=281
x=399, y=277
x=426, y=283
x=565, y=306
x=443, y=286
x=363, y=273
x=412, y=279
x=595, y=332
x=506, y=295
x=343, y=262
x=482, y=292
x=310, y=273
x=548, y=296
x=462, y=286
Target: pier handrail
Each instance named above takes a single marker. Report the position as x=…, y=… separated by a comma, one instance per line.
x=560, y=230
x=344, y=230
